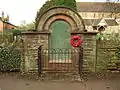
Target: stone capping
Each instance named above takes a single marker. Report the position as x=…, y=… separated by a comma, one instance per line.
x=35, y=32
x=47, y=32
x=92, y=33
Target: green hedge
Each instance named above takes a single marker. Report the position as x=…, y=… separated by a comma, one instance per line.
x=9, y=59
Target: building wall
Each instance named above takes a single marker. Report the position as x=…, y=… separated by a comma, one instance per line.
x=111, y=29
x=99, y=15
x=8, y=26
x=108, y=30
x=1, y=26
x=90, y=29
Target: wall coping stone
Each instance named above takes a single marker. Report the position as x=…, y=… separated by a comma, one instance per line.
x=47, y=32
x=92, y=33
x=35, y=32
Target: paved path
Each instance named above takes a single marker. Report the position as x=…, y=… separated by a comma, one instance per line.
x=12, y=83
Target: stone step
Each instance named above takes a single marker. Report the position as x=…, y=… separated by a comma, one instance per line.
x=59, y=70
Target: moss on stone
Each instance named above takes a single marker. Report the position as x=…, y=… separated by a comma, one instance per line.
x=66, y=3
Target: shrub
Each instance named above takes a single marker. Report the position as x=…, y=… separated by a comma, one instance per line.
x=9, y=59
x=118, y=53
x=16, y=32
x=9, y=55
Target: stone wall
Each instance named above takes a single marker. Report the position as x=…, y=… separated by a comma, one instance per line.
x=106, y=55
x=32, y=41
x=89, y=51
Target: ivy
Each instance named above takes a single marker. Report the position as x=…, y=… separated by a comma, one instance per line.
x=100, y=36
x=9, y=55
x=16, y=32
x=118, y=53
x=66, y=3
x=9, y=59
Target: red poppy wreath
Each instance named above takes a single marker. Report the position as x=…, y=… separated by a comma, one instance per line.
x=76, y=41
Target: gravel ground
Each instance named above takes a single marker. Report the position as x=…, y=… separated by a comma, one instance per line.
x=12, y=83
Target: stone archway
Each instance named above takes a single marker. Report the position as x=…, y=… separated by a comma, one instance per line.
x=63, y=13
x=59, y=13
x=33, y=39
x=60, y=38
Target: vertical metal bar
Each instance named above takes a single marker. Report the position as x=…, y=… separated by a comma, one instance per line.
x=96, y=55
x=40, y=60
x=44, y=53
x=58, y=54
x=80, y=59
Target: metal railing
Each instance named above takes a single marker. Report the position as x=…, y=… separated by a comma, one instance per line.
x=60, y=60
